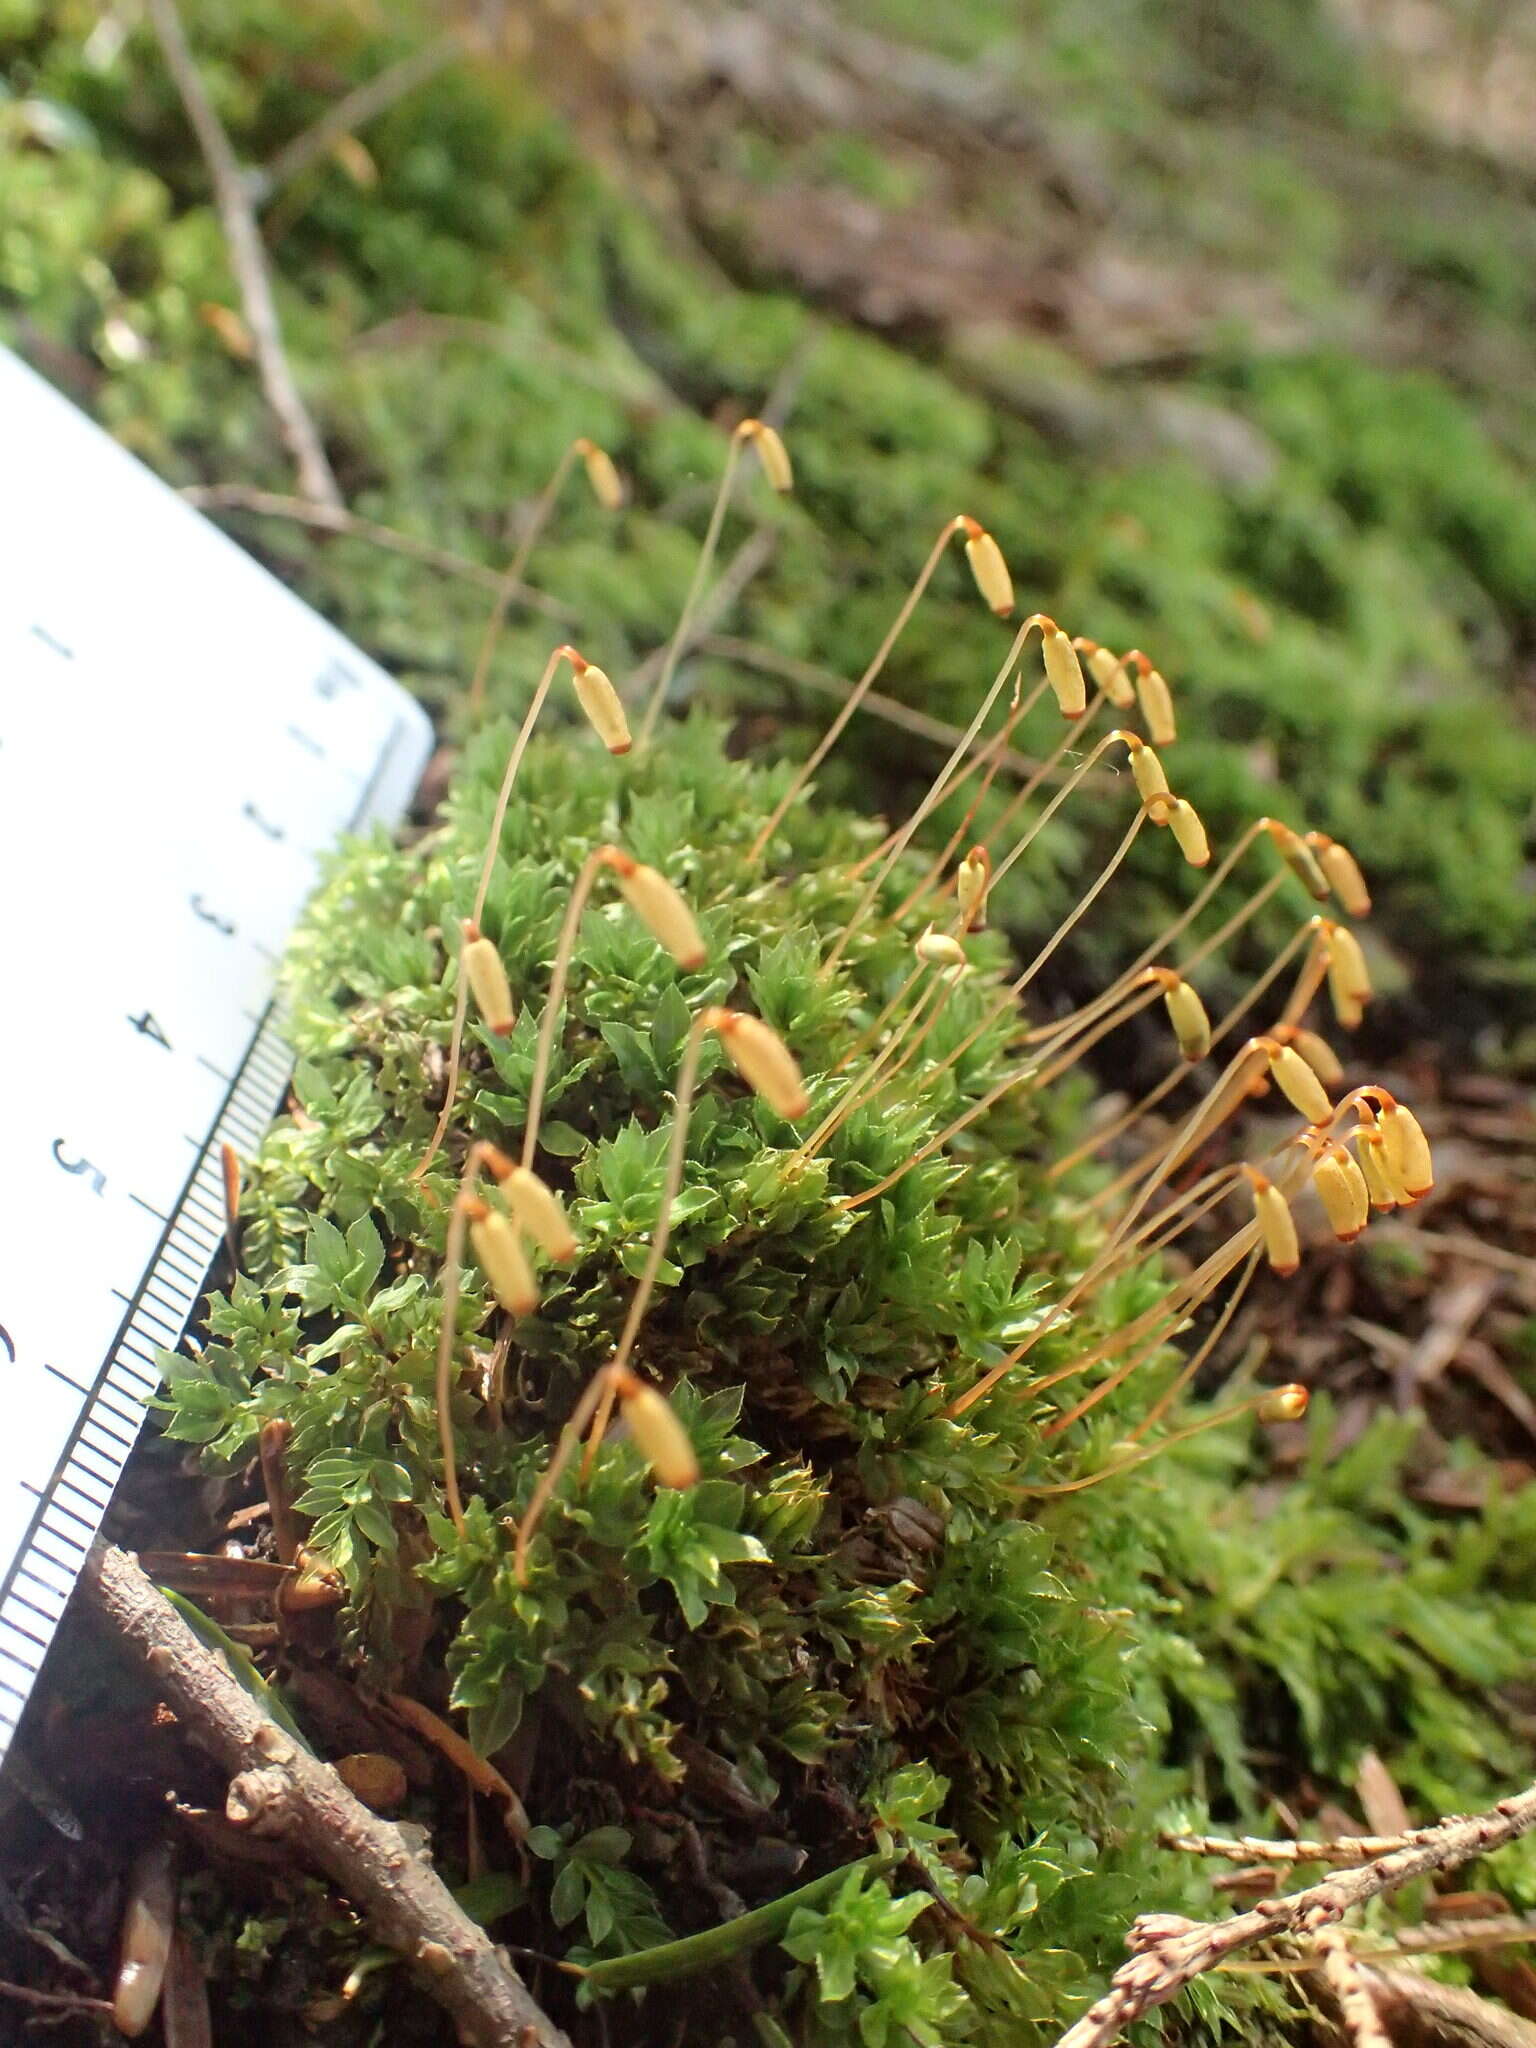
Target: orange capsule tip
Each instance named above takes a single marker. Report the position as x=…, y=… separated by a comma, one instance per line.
x=1285, y=1404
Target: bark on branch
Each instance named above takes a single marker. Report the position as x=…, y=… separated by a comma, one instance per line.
x=1170, y=1952
x=275, y=1785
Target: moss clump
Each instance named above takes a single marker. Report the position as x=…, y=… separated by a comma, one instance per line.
x=857, y=1650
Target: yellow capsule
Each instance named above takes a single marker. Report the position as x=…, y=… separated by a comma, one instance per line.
x=600, y=701
x=148, y=1928
x=1148, y=772
x=1299, y=858
x=971, y=885
x=659, y=1437
x=763, y=1060
x=1342, y=1190
x=1186, y=1013
x=988, y=568
x=1277, y=1227
x=1347, y=1006
x=487, y=980
x=1380, y=1185
x=659, y=908
x=771, y=453
x=1285, y=1404
x=1343, y=873
x=541, y=1212
x=607, y=485
x=494, y=1160
x=1344, y=952
x=1319, y=1056
x=1064, y=672
x=1183, y=821
x=1108, y=671
x=938, y=949
x=1408, y=1154
x=1299, y=1085
x=502, y=1259
x=1156, y=701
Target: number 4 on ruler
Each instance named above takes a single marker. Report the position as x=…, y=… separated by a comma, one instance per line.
x=150, y=1029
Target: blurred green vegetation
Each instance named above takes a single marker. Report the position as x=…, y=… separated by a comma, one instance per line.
x=1315, y=513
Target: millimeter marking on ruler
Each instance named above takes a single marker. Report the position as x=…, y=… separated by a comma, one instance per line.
x=258, y=1088
x=180, y=740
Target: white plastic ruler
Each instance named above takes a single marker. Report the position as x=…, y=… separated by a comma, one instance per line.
x=180, y=739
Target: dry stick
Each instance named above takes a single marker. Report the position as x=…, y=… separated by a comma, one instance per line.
x=630, y=381
x=1351, y=1986
x=511, y=582
x=858, y=693
x=492, y=848
x=1172, y=1951
x=247, y=259
x=406, y=1904
x=56, y=2001
x=1257, y=1849
x=352, y=111
x=1445, y=1937
x=658, y=696
x=754, y=554
x=336, y=519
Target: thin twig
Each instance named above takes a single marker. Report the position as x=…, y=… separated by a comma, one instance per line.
x=1170, y=1951
x=247, y=259
x=749, y=559
x=1351, y=1986
x=55, y=2001
x=1417, y=2012
x=278, y=1787
x=336, y=519
x=351, y=112
x=1447, y=1937
x=1255, y=1849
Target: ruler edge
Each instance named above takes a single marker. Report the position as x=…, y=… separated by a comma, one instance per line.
x=127, y=1378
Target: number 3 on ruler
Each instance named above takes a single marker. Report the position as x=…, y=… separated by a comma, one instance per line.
x=94, y=1174
x=220, y=924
